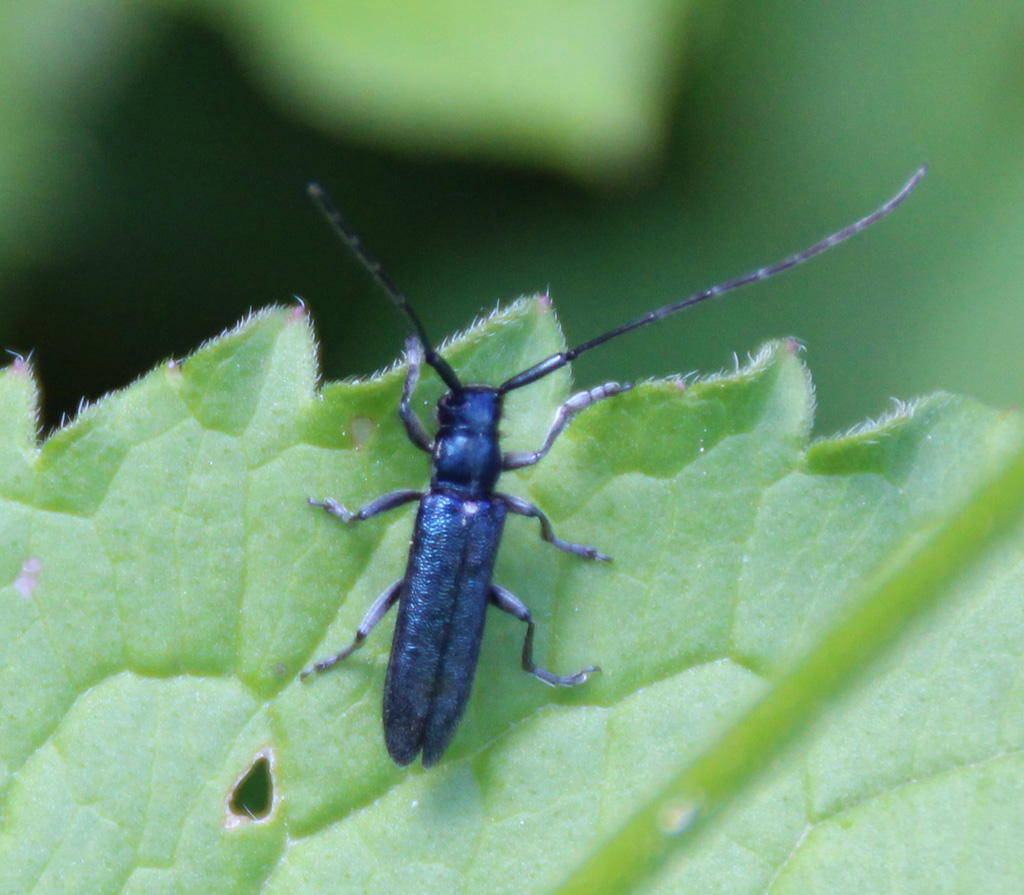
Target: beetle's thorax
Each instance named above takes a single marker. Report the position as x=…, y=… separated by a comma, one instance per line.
x=467, y=456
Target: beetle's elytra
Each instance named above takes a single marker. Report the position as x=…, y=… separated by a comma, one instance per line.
x=446, y=589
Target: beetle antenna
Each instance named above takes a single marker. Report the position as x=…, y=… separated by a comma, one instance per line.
x=557, y=361
x=374, y=268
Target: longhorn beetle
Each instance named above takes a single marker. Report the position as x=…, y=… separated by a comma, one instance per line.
x=447, y=585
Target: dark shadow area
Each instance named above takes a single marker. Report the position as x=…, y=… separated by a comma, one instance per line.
x=254, y=795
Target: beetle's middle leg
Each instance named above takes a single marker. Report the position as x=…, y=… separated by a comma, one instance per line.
x=506, y=601
x=524, y=508
x=377, y=611
x=563, y=416
x=378, y=505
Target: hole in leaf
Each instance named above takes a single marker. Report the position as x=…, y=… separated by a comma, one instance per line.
x=253, y=795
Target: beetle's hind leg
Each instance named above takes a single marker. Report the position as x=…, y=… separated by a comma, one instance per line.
x=524, y=508
x=377, y=611
x=506, y=601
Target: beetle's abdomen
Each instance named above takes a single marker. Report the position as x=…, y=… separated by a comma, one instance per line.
x=440, y=624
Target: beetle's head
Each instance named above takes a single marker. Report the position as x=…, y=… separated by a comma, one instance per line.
x=476, y=409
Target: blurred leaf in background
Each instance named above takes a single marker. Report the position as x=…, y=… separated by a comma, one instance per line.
x=622, y=153
x=579, y=85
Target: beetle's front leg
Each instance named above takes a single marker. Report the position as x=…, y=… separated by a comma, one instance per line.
x=414, y=427
x=506, y=601
x=377, y=611
x=379, y=505
x=563, y=416
x=523, y=508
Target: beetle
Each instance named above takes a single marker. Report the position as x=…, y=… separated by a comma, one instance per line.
x=447, y=587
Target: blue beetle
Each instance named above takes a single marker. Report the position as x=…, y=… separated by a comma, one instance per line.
x=447, y=586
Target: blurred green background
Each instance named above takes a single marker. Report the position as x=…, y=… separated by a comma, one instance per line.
x=153, y=158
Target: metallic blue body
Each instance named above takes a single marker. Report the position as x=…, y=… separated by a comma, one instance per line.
x=444, y=595
x=440, y=623
x=447, y=583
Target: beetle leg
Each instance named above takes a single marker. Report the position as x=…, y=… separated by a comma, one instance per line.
x=563, y=416
x=379, y=505
x=506, y=601
x=523, y=508
x=414, y=427
x=377, y=611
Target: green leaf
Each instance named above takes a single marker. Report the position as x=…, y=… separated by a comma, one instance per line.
x=582, y=85
x=810, y=651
